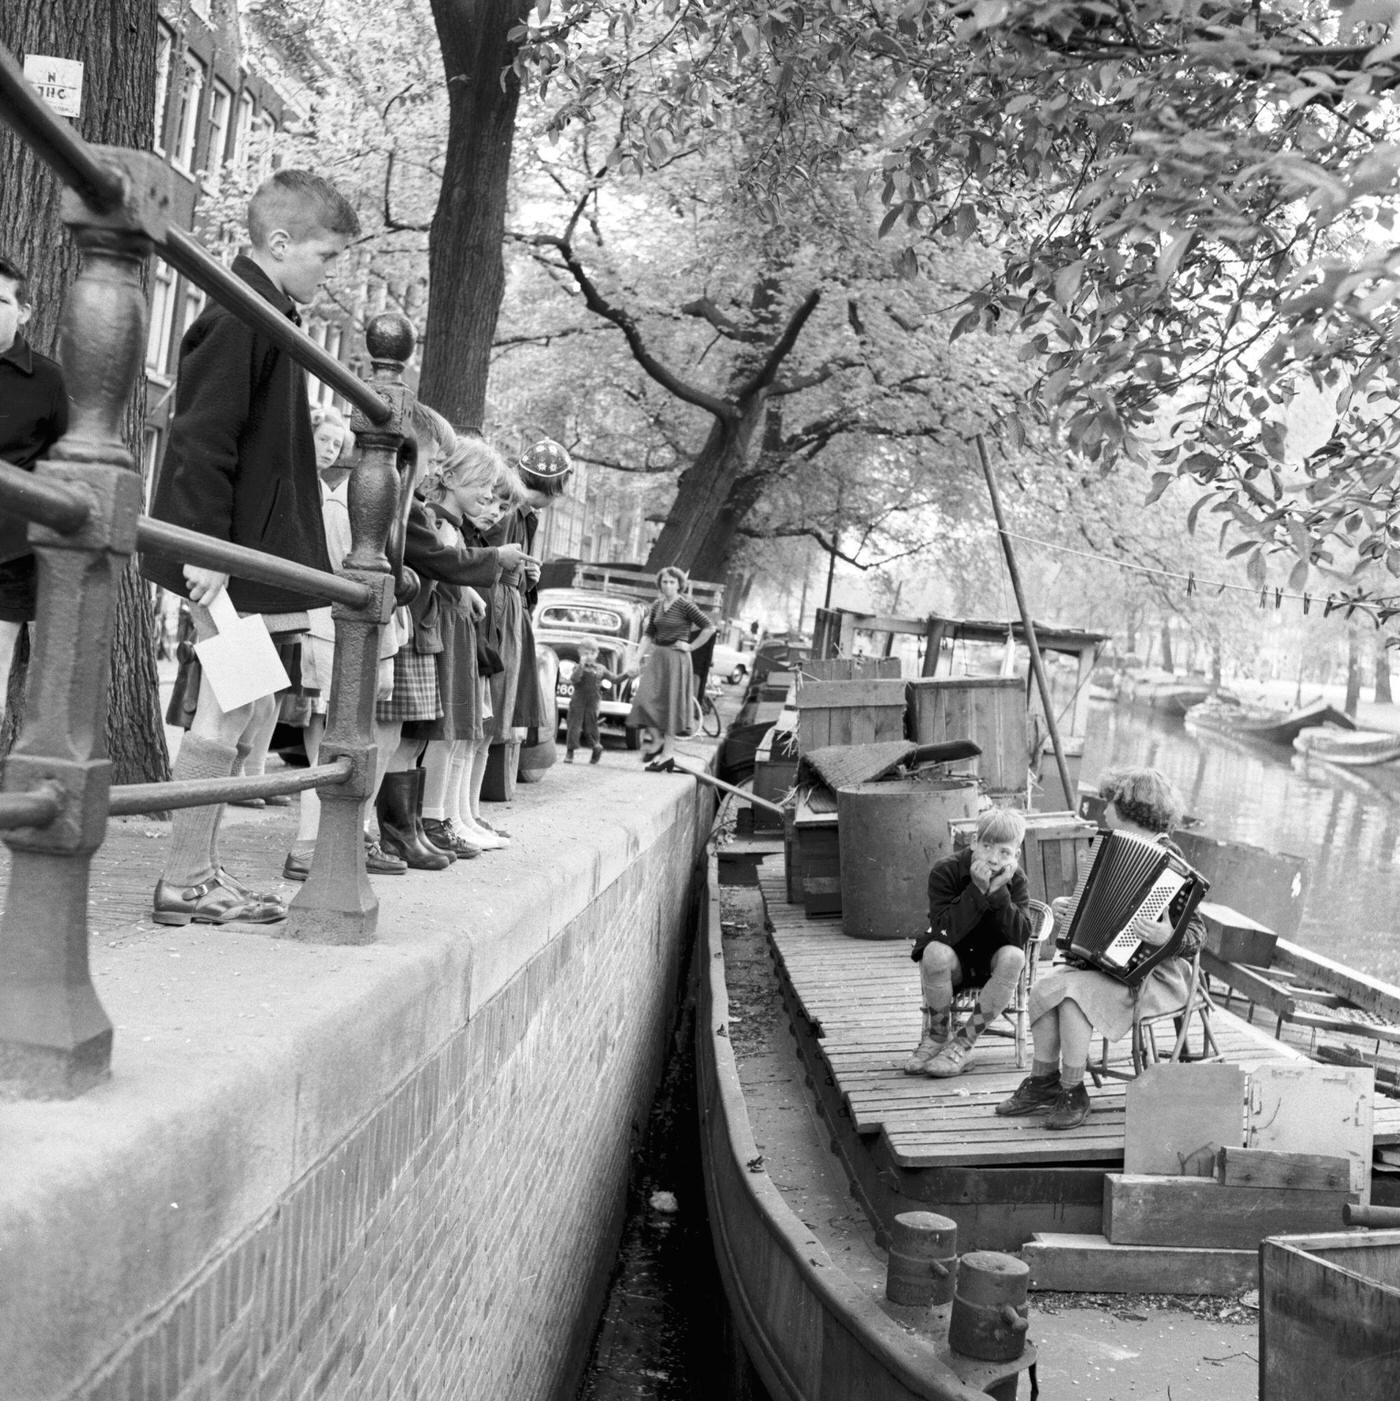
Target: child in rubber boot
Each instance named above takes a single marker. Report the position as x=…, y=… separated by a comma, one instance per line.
x=979, y=924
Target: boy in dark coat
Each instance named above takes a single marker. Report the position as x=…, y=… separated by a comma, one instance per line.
x=33, y=417
x=241, y=466
x=979, y=923
x=586, y=702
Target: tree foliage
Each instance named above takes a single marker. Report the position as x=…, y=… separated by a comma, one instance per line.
x=1189, y=199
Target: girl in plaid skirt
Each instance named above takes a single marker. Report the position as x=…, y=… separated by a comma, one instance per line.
x=462, y=500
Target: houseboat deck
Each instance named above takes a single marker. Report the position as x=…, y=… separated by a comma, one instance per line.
x=860, y=1000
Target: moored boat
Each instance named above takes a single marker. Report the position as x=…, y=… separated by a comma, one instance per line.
x=806, y=1291
x=1353, y=748
x=1163, y=691
x=1261, y=723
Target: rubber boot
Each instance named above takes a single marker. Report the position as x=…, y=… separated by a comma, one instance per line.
x=400, y=828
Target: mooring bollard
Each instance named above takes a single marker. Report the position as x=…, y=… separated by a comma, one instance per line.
x=923, y=1259
x=990, y=1315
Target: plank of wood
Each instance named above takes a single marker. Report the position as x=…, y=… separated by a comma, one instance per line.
x=1078, y=1263
x=1263, y=1167
x=1311, y=1108
x=1251, y=983
x=1234, y=937
x=1149, y=1210
x=1179, y=1116
x=1370, y=994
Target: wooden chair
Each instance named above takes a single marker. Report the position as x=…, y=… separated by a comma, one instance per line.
x=1018, y=1014
x=1142, y=1039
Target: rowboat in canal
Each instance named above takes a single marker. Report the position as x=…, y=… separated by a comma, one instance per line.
x=1262, y=724
x=1350, y=748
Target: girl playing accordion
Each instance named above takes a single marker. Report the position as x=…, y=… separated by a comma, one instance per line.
x=1072, y=1000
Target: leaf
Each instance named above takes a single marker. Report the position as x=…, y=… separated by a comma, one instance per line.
x=1298, y=577
x=1170, y=258
x=1256, y=569
x=1160, y=482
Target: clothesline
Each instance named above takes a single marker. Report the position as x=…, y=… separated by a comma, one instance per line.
x=1330, y=601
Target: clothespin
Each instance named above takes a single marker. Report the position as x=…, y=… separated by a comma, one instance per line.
x=1263, y=598
x=1327, y=612
x=1278, y=598
x=1190, y=583
x=1307, y=603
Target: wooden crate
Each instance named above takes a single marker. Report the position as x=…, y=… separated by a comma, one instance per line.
x=773, y=778
x=1055, y=844
x=1329, y=1317
x=851, y=668
x=819, y=859
x=848, y=712
x=989, y=710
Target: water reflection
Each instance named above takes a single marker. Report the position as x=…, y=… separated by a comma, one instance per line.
x=1343, y=821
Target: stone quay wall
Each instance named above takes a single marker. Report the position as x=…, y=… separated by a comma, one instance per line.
x=395, y=1171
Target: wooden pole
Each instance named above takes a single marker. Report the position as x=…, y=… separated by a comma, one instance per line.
x=1037, y=666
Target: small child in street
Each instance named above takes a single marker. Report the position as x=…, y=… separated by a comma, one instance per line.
x=979, y=923
x=588, y=680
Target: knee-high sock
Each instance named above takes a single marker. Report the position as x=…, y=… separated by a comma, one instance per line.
x=309, y=817
x=459, y=783
x=437, y=768
x=479, y=761
x=193, y=854
x=993, y=999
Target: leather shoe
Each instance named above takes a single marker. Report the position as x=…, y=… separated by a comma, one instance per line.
x=213, y=901
x=378, y=862
x=246, y=891
x=442, y=835
x=297, y=866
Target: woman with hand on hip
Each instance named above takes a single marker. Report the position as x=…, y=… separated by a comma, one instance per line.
x=662, y=706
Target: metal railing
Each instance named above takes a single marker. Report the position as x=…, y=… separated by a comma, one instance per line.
x=83, y=503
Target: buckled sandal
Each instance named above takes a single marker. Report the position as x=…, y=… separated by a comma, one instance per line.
x=246, y=891
x=214, y=901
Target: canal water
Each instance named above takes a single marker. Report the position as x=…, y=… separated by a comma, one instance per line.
x=1346, y=823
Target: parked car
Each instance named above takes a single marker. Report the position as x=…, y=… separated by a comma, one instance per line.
x=731, y=664
x=564, y=617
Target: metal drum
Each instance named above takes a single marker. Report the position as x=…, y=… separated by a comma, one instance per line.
x=891, y=834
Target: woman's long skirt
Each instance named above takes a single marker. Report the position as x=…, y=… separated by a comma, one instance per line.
x=664, y=693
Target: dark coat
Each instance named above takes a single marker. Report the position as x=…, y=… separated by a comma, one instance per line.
x=33, y=417
x=240, y=464
x=436, y=564
x=974, y=924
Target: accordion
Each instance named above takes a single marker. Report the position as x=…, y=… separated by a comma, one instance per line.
x=1129, y=880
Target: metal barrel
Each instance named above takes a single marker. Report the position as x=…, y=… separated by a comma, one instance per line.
x=990, y=1315
x=923, y=1262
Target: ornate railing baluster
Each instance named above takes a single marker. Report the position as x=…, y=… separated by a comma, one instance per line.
x=337, y=904
x=55, y=1039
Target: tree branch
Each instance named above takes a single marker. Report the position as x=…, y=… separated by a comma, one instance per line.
x=595, y=301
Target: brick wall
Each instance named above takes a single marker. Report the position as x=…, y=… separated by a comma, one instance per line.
x=455, y=1241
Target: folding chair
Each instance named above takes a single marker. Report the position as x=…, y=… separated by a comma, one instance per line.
x=1142, y=1038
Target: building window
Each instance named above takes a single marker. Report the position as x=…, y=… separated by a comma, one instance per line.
x=165, y=47
x=220, y=120
x=187, y=128
x=194, y=300
x=242, y=132
x=162, y=319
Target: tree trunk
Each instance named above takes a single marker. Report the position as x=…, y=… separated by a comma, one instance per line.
x=1383, y=694
x=1166, y=636
x=115, y=42
x=466, y=269
x=713, y=496
x=1353, y=696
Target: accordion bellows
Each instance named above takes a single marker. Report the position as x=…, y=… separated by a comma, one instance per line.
x=1130, y=882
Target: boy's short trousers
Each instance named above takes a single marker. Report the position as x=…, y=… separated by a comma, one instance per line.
x=18, y=590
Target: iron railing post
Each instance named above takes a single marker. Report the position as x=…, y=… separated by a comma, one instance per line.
x=55, y=1038
x=338, y=904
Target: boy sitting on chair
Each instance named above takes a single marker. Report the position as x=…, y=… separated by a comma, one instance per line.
x=979, y=922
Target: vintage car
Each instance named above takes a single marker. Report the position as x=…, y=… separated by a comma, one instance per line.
x=732, y=664
x=564, y=617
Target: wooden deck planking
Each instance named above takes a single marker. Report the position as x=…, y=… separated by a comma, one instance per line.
x=863, y=996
